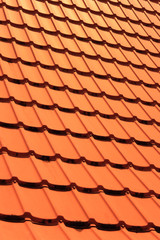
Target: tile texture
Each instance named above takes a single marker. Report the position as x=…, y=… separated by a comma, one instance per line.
x=79, y=119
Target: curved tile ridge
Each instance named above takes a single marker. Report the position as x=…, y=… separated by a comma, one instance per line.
x=90, y=190
x=122, y=31
x=5, y=150
x=27, y=216
x=60, y=3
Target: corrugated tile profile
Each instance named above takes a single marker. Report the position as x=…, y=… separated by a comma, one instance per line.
x=79, y=119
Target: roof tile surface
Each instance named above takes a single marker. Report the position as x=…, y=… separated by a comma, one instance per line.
x=80, y=119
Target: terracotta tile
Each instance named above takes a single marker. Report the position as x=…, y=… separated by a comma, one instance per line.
x=114, y=24
x=27, y=230
x=126, y=26
x=116, y=10
x=140, y=92
x=6, y=201
x=57, y=11
x=12, y=16
x=69, y=28
x=121, y=39
x=24, y=52
x=80, y=4
x=93, y=6
x=40, y=7
x=132, y=57
x=46, y=23
x=4, y=50
x=152, y=32
x=11, y=4
x=136, y=4
x=139, y=29
x=57, y=58
x=142, y=16
x=154, y=75
x=154, y=19
x=78, y=63
x=27, y=5
x=92, y=33
x=136, y=42
x=20, y=34
x=96, y=67
x=70, y=79
x=146, y=59
x=112, y=69
x=153, y=112
x=70, y=44
x=104, y=8
x=117, y=54
x=30, y=20
x=106, y=36
x=85, y=17
x=4, y=32
x=43, y=56
x=155, y=6
x=100, y=20
x=12, y=70
x=143, y=75
x=130, y=13
x=37, y=38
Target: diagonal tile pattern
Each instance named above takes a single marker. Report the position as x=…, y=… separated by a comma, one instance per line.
x=80, y=119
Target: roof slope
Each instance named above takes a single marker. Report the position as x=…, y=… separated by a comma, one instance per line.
x=80, y=119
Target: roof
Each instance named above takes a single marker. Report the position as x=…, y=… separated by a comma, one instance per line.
x=80, y=119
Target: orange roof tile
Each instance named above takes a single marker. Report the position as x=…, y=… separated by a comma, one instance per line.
x=80, y=119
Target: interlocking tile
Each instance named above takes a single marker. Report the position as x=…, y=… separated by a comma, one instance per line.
x=80, y=119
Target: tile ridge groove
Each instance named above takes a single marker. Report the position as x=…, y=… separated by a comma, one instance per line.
x=82, y=53
x=74, y=35
x=87, y=135
x=150, y=167
x=27, y=216
x=76, y=109
x=76, y=21
x=73, y=186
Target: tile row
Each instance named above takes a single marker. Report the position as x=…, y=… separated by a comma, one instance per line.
x=81, y=48
x=49, y=146
x=84, y=65
x=81, y=29
x=101, y=60
x=145, y=6
x=24, y=34
x=74, y=82
x=100, y=12
x=85, y=178
x=67, y=101
x=78, y=125
x=100, y=207
x=27, y=230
